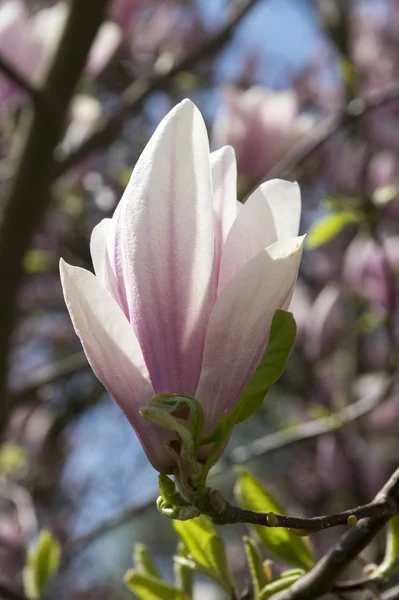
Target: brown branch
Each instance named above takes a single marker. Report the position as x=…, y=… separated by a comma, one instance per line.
x=29, y=193
x=49, y=374
x=78, y=544
x=355, y=109
x=9, y=594
x=231, y=514
x=391, y=594
x=321, y=579
x=264, y=445
x=309, y=430
x=136, y=94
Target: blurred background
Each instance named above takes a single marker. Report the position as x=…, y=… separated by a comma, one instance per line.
x=303, y=89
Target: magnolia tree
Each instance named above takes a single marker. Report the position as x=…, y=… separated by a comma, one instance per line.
x=214, y=251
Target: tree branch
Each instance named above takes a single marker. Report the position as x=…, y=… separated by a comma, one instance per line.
x=264, y=445
x=308, y=430
x=135, y=95
x=9, y=594
x=320, y=580
x=29, y=193
x=355, y=109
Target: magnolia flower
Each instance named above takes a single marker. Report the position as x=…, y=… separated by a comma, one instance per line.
x=261, y=125
x=185, y=283
x=25, y=46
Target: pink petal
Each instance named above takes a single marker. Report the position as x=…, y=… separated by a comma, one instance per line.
x=113, y=353
x=270, y=214
x=239, y=325
x=163, y=249
x=105, y=45
x=101, y=262
x=224, y=183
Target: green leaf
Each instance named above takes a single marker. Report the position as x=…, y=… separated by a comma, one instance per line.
x=151, y=588
x=390, y=564
x=183, y=574
x=279, y=584
x=280, y=541
x=12, y=457
x=329, y=226
x=143, y=561
x=205, y=546
x=37, y=261
x=270, y=368
x=255, y=565
x=43, y=561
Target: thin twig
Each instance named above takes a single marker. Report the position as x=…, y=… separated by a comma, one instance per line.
x=308, y=144
x=308, y=430
x=49, y=374
x=231, y=514
x=80, y=543
x=391, y=594
x=265, y=445
x=321, y=579
x=135, y=95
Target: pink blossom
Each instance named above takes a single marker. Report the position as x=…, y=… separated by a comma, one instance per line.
x=324, y=323
x=261, y=125
x=365, y=272
x=186, y=284
x=28, y=43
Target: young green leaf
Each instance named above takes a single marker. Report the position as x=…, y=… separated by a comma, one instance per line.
x=205, y=546
x=43, y=561
x=151, y=588
x=279, y=584
x=270, y=368
x=329, y=226
x=280, y=541
x=255, y=564
x=390, y=564
x=183, y=574
x=143, y=561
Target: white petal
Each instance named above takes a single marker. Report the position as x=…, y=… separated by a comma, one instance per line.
x=113, y=353
x=98, y=248
x=270, y=214
x=239, y=325
x=224, y=183
x=164, y=246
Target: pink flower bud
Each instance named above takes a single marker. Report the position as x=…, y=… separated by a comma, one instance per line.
x=261, y=125
x=186, y=284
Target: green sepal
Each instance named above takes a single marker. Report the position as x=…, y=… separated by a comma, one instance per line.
x=280, y=541
x=270, y=368
x=178, y=512
x=279, y=584
x=331, y=225
x=147, y=587
x=205, y=547
x=175, y=402
x=390, y=564
x=255, y=564
x=183, y=573
x=43, y=561
x=167, y=488
x=143, y=561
